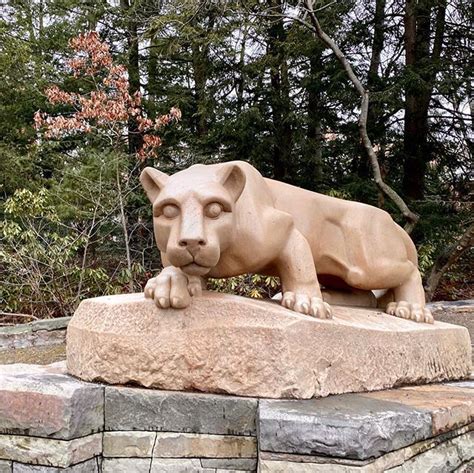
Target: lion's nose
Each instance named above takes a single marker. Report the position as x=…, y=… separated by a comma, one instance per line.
x=192, y=243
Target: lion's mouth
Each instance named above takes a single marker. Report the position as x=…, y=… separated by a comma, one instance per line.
x=195, y=269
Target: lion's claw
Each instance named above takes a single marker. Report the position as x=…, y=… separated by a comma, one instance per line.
x=408, y=311
x=195, y=285
x=171, y=288
x=300, y=302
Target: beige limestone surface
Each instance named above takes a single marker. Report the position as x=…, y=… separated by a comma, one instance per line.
x=226, y=219
x=229, y=344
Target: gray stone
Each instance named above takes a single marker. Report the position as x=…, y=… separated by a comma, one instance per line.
x=5, y=466
x=282, y=466
x=158, y=465
x=438, y=455
x=37, y=333
x=31, y=338
x=469, y=383
x=239, y=464
x=467, y=467
x=50, y=452
x=144, y=409
x=178, y=465
x=220, y=470
x=126, y=465
x=446, y=456
x=44, y=401
x=89, y=466
x=347, y=426
x=51, y=324
x=292, y=458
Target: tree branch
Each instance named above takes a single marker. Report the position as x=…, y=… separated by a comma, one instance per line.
x=315, y=26
x=446, y=259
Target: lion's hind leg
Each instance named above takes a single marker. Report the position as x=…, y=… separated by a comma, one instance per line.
x=410, y=299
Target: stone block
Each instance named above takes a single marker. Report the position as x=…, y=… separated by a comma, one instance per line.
x=89, y=466
x=445, y=457
x=35, y=334
x=129, y=444
x=144, y=409
x=174, y=445
x=59, y=323
x=283, y=462
x=450, y=407
x=283, y=466
x=179, y=465
x=468, y=383
x=349, y=426
x=224, y=343
x=450, y=455
x=466, y=468
x=220, y=470
x=43, y=338
x=237, y=464
x=316, y=459
x=44, y=401
x=126, y=465
x=5, y=466
x=155, y=465
x=50, y=452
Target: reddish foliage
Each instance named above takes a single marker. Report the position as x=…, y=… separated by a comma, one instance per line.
x=108, y=107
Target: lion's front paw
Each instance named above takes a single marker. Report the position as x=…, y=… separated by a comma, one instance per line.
x=405, y=310
x=171, y=288
x=300, y=302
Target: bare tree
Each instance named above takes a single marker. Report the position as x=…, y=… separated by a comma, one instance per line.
x=316, y=28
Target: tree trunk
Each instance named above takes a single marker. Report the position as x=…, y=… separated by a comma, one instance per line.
x=315, y=26
x=279, y=94
x=152, y=66
x=374, y=125
x=124, y=222
x=200, y=72
x=135, y=138
x=315, y=134
x=421, y=68
x=201, y=69
x=240, y=79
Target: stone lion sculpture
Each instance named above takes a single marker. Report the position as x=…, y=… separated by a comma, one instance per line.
x=224, y=220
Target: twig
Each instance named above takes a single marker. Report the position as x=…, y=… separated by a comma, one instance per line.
x=13, y=314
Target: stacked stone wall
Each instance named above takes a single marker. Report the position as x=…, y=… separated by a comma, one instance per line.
x=51, y=422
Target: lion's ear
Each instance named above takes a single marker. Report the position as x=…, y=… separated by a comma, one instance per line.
x=233, y=179
x=153, y=181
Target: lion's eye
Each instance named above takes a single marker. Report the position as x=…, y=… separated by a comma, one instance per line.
x=170, y=211
x=213, y=210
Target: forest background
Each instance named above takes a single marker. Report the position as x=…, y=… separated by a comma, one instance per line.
x=253, y=82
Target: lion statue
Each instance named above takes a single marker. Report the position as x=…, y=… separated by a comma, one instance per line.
x=224, y=220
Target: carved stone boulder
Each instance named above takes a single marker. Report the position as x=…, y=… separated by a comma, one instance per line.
x=229, y=344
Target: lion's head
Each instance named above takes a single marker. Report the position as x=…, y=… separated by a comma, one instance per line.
x=193, y=213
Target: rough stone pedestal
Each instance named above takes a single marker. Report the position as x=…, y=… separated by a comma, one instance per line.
x=230, y=344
